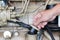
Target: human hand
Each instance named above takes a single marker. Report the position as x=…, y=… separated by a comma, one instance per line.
x=42, y=18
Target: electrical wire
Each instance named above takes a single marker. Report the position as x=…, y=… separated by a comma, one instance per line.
x=50, y=33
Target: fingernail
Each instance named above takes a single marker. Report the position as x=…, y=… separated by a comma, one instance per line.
x=39, y=27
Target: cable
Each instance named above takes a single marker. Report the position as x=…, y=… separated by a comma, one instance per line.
x=50, y=33
x=21, y=24
x=54, y=29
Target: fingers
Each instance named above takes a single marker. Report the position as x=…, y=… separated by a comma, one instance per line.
x=41, y=25
x=37, y=19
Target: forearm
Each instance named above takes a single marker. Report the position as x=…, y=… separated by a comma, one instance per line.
x=56, y=9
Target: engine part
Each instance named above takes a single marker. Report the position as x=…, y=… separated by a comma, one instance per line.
x=2, y=4
x=40, y=34
x=7, y=34
x=16, y=33
x=31, y=37
x=9, y=14
x=6, y=2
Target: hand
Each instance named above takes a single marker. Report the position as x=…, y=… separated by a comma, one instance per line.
x=42, y=18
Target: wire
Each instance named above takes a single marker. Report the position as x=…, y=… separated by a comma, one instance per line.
x=50, y=33
x=21, y=24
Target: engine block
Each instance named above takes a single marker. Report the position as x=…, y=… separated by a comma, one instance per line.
x=21, y=11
